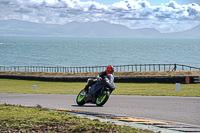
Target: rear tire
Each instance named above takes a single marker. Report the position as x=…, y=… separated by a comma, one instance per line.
x=80, y=98
x=100, y=101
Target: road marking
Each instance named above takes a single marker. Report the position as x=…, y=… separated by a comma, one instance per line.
x=142, y=121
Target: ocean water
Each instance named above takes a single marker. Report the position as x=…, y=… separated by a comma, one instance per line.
x=66, y=52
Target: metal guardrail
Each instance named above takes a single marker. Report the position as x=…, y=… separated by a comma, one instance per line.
x=119, y=68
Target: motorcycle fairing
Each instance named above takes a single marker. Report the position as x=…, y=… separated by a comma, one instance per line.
x=96, y=87
x=92, y=91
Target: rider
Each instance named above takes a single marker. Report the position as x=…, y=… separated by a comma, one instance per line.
x=109, y=70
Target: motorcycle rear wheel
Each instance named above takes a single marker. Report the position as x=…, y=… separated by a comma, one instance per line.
x=100, y=101
x=80, y=98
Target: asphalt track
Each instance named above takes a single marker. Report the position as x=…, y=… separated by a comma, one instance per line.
x=173, y=109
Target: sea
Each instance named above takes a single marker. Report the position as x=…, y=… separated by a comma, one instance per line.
x=86, y=52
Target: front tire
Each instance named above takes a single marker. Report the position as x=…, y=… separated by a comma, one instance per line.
x=80, y=98
x=100, y=101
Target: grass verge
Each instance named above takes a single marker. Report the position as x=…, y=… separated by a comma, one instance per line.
x=148, y=89
x=19, y=119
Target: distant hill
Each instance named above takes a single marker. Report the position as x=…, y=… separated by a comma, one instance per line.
x=192, y=33
x=24, y=28
x=88, y=29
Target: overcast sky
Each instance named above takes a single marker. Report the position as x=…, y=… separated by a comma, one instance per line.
x=163, y=15
x=152, y=2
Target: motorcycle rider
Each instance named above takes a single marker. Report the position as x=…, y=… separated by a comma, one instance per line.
x=109, y=70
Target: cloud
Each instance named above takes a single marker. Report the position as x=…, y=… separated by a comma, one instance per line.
x=169, y=17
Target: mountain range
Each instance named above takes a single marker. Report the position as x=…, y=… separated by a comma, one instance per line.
x=100, y=29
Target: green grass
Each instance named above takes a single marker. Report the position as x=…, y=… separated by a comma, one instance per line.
x=26, y=86
x=19, y=119
x=157, y=89
x=153, y=89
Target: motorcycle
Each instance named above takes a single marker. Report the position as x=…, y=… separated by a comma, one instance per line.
x=98, y=93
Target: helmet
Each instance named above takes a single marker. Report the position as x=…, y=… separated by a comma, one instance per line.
x=110, y=69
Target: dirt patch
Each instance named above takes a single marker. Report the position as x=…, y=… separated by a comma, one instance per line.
x=92, y=74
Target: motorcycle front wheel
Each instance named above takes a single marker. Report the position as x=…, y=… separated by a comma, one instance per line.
x=80, y=98
x=100, y=101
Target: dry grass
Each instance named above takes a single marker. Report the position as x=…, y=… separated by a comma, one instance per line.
x=92, y=74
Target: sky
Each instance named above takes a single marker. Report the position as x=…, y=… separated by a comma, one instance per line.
x=152, y=2
x=164, y=15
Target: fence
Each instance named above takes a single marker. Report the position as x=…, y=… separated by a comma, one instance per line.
x=120, y=68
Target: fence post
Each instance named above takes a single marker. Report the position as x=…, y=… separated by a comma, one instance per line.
x=136, y=68
x=164, y=67
x=159, y=67
x=149, y=67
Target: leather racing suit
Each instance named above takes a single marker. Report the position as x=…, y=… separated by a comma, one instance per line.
x=99, y=76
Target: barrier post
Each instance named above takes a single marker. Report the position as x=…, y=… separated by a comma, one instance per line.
x=177, y=86
x=34, y=87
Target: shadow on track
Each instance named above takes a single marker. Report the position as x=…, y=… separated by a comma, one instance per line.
x=86, y=106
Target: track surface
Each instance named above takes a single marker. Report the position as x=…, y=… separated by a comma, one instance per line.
x=176, y=109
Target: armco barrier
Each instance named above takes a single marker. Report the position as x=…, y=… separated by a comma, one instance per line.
x=130, y=79
x=155, y=79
